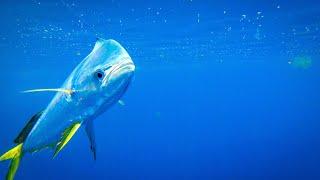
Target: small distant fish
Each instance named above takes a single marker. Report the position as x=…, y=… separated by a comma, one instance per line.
x=302, y=62
x=98, y=82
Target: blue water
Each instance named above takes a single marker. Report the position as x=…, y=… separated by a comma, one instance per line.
x=222, y=90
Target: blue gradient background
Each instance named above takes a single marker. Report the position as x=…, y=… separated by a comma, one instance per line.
x=215, y=94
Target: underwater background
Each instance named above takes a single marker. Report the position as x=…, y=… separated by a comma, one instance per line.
x=222, y=89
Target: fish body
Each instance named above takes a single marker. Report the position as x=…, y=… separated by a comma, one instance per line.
x=98, y=82
x=88, y=99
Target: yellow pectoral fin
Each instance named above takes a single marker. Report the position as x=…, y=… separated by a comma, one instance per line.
x=67, y=135
x=15, y=155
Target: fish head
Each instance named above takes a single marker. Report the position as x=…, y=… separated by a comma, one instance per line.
x=114, y=73
x=103, y=76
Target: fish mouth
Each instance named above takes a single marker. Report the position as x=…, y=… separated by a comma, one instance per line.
x=120, y=68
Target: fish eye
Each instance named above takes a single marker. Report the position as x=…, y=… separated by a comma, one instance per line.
x=99, y=74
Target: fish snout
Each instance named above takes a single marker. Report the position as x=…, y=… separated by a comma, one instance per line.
x=122, y=70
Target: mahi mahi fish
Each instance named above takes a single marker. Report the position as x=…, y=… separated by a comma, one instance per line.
x=94, y=85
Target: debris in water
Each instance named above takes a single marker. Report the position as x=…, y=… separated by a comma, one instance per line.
x=121, y=102
x=198, y=17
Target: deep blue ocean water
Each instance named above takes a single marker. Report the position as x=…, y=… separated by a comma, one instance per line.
x=222, y=89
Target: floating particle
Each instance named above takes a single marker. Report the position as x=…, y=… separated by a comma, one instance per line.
x=278, y=7
x=243, y=17
x=307, y=29
x=122, y=103
x=257, y=35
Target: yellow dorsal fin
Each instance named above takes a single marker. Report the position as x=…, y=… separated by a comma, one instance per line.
x=66, y=136
x=15, y=154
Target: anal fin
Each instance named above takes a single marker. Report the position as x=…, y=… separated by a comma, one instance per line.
x=66, y=136
x=92, y=139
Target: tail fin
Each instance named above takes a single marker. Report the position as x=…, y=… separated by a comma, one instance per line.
x=15, y=155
